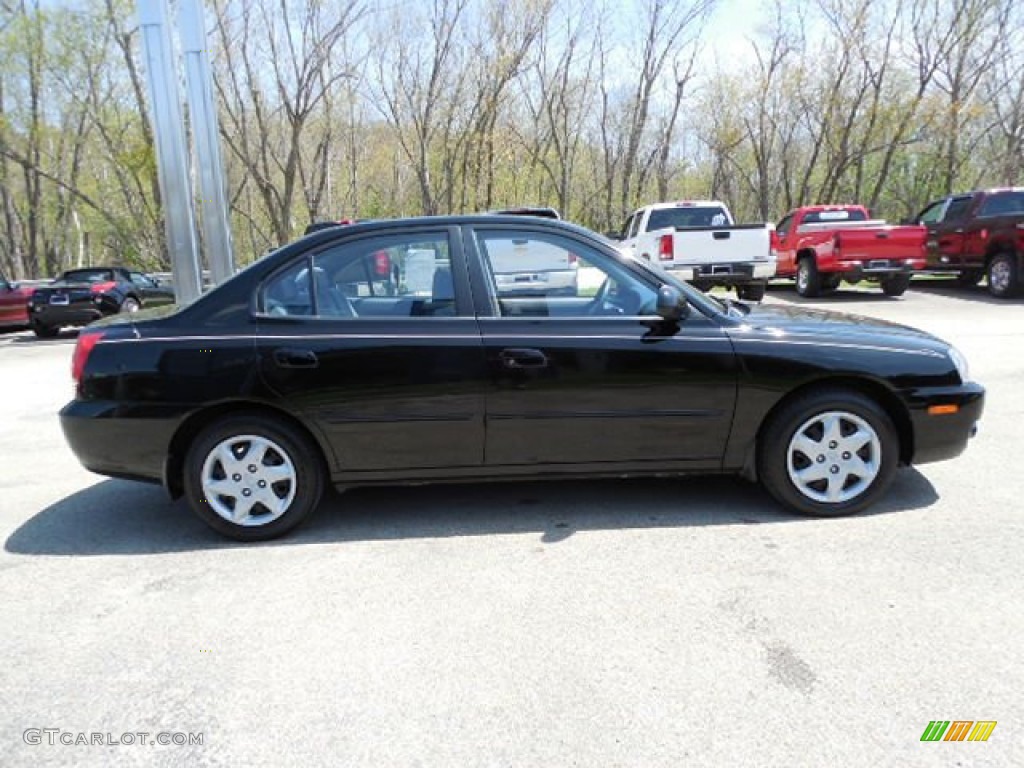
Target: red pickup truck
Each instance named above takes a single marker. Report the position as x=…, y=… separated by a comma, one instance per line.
x=822, y=245
x=978, y=234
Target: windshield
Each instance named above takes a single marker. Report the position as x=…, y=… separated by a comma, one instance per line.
x=687, y=217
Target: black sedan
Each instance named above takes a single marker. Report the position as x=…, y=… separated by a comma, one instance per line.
x=314, y=366
x=80, y=296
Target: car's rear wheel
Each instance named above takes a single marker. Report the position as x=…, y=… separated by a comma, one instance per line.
x=253, y=477
x=896, y=285
x=808, y=279
x=130, y=305
x=752, y=291
x=44, y=331
x=827, y=453
x=831, y=282
x=1003, y=278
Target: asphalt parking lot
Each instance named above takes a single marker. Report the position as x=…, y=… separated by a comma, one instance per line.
x=612, y=623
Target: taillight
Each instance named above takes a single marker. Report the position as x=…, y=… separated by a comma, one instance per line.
x=665, y=247
x=102, y=287
x=382, y=264
x=83, y=348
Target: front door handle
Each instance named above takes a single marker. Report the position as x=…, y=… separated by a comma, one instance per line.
x=523, y=358
x=292, y=357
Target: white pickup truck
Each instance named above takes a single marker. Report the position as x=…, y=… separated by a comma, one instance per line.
x=698, y=241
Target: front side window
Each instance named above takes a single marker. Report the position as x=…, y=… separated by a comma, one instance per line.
x=933, y=213
x=957, y=209
x=375, y=277
x=535, y=274
x=783, y=226
x=141, y=280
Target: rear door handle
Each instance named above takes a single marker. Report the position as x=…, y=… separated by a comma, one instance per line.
x=523, y=358
x=292, y=357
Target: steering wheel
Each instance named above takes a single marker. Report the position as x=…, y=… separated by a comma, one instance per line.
x=596, y=307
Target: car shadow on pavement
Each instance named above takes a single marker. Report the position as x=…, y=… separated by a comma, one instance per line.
x=838, y=296
x=63, y=337
x=117, y=517
x=950, y=290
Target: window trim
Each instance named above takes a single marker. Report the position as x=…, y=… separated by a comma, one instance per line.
x=485, y=290
x=464, y=305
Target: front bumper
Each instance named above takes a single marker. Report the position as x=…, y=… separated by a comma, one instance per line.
x=942, y=436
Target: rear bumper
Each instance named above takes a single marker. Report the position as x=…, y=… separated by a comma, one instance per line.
x=117, y=440
x=945, y=436
x=737, y=273
x=78, y=314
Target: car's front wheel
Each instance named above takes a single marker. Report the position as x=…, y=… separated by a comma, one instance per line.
x=130, y=305
x=829, y=452
x=253, y=476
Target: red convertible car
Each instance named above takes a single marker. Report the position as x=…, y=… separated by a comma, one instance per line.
x=14, y=304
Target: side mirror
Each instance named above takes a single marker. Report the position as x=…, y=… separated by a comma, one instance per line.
x=671, y=304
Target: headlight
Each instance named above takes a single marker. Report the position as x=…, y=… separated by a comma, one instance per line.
x=961, y=364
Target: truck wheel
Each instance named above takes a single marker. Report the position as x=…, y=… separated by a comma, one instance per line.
x=830, y=283
x=829, y=452
x=808, y=279
x=44, y=331
x=1003, y=277
x=969, y=278
x=701, y=286
x=896, y=285
x=752, y=291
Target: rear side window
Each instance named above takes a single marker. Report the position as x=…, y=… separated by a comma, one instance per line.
x=376, y=277
x=1003, y=204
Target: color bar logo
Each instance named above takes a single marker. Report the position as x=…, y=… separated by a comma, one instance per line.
x=958, y=730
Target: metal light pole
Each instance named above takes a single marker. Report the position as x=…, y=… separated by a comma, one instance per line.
x=213, y=204
x=172, y=157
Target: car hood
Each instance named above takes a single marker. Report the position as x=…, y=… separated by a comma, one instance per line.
x=776, y=320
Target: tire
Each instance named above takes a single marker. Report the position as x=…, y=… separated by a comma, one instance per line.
x=130, y=304
x=803, y=420
x=808, y=279
x=702, y=286
x=752, y=291
x=1003, y=277
x=44, y=331
x=896, y=285
x=969, y=278
x=289, y=467
x=830, y=283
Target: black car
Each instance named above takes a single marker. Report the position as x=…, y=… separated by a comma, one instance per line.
x=80, y=296
x=310, y=367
